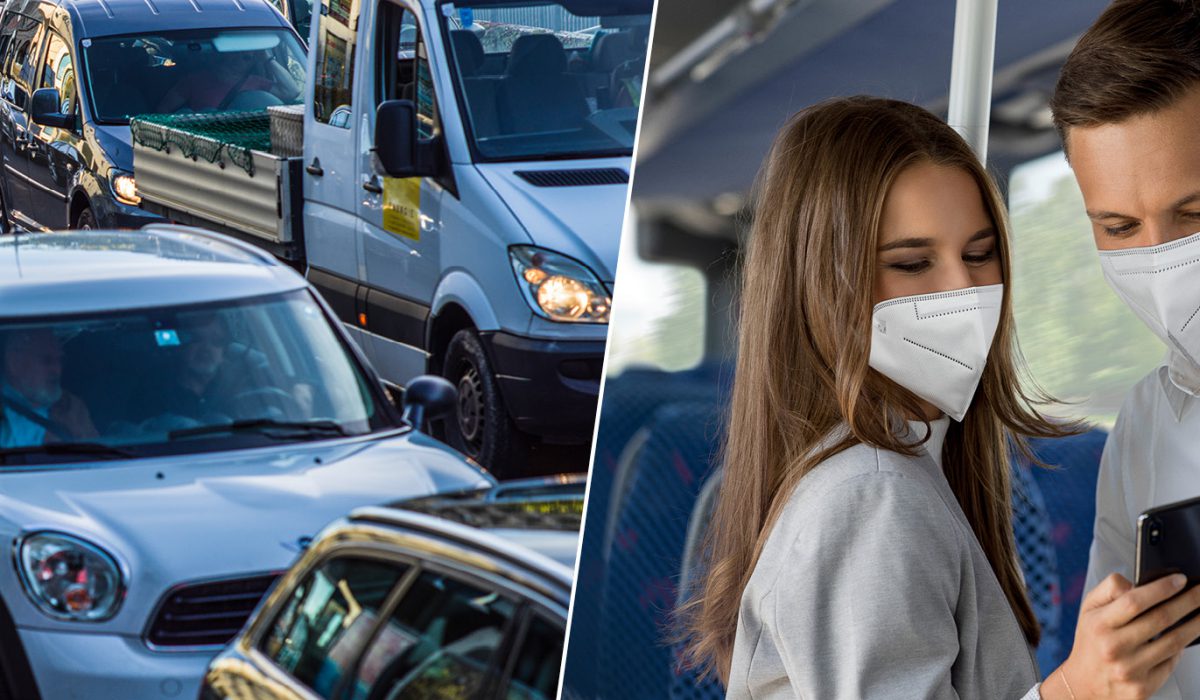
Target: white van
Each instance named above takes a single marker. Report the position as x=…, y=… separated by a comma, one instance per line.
x=459, y=199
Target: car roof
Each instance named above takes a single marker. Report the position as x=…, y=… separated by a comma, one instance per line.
x=96, y=18
x=534, y=524
x=54, y=274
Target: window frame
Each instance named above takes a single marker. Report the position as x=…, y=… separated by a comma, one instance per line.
x=323, y=10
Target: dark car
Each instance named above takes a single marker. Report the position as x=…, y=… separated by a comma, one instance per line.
x=460, y=595
x=72, y=73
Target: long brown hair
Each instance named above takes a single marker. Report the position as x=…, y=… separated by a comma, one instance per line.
x=806, y=293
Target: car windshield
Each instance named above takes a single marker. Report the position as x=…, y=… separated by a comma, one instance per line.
x=539, y=82
x=204, y=70
x=178, y=380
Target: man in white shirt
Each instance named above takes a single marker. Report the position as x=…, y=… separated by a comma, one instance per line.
x=1127, y=105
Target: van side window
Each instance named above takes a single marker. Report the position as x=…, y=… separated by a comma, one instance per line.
x=535, y=671
x=333, y=91
x=440, y=642
x=59, y=72
x=20, y=64
x=402, y=66
x=328, y=619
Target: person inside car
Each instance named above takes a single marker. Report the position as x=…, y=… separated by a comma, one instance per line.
x=219, y=84
x=36, y=410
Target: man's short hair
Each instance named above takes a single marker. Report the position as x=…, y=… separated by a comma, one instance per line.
x=1140, y=56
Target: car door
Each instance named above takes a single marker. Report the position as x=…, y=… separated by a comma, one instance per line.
x=55, y=157
x=16, y=81
x=399, y=218
x=331, y=189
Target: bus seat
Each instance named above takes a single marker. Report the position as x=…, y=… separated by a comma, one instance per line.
x=1069, y=491
x=630, y=399
x=650, y=527
x=1039, y=562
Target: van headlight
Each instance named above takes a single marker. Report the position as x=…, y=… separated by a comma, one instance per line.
x=559, y=288
x=125, y=188
x=68, y=578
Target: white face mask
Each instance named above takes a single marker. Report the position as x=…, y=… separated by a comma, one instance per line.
x=935, y=345
x=1159, y=283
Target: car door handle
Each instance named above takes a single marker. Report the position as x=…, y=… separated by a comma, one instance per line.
x=315, y=168
x=373, y=186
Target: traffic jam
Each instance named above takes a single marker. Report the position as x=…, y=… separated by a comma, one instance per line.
x=303, y=309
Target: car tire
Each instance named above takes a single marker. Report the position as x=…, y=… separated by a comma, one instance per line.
x=86, y=221
x=480, y=427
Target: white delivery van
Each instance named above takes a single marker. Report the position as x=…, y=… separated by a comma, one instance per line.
x=458, y=200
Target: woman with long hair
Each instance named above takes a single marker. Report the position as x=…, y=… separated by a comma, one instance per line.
x=862, y=542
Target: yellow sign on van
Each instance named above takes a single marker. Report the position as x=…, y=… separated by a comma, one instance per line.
x=402, y=206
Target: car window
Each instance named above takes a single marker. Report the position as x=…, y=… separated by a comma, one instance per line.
x=535, y=671
x=58, y=72
x=19, y=63
x=402, y=66
x=194, y=70
x=333, y=92
x=327, y=620
x=180, y=380
x=439, y=643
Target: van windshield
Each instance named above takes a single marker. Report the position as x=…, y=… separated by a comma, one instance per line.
x=539, y=82
x=199, y=70
x=178, y=380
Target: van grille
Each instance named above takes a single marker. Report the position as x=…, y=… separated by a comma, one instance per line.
x=574, y=178
x=207, y=614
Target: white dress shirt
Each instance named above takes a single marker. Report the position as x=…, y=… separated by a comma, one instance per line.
x=1152, y=458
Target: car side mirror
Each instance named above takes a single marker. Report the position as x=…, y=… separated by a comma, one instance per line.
x=399, y=152
x=45, y=108
x=426, y=398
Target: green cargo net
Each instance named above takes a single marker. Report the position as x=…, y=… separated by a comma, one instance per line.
x=219, y=137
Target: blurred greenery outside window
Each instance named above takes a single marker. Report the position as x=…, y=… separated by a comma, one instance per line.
x=658, y=311
x=1081, y=342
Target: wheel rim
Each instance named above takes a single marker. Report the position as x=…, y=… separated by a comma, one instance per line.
x=470, y=408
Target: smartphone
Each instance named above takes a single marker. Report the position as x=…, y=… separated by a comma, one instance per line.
x=1168, y=542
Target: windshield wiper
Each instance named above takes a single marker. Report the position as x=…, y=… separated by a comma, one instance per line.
x=94, y=449
x=265, y=426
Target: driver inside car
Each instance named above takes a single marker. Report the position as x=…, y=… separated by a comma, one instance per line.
x=232, y=82
x=36, y=409
x=193, y=396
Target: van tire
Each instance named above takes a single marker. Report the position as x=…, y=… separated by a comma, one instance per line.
x=480, y=427
x=86, y=220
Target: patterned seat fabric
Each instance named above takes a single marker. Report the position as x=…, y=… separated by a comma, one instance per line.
x=1069, y=490
x=1039, y=562
x=645, y=550
x=630, y=401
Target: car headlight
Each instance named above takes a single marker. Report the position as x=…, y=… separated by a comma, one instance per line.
x=125, y=187
x=559, y=288
x=68, y=578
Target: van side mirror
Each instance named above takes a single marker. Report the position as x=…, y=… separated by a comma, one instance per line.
x=397, y=148
x=427, y=398
x=45, y=110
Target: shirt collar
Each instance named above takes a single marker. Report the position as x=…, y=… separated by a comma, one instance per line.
x=1180, y=382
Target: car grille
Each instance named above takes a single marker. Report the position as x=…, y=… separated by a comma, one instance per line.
x=206, y=614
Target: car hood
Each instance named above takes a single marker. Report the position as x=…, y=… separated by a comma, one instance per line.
x=179, y=519
x=581, y=222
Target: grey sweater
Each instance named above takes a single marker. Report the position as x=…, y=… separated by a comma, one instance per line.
x=873, y=585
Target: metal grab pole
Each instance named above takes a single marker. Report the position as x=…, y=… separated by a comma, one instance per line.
x=971, y=72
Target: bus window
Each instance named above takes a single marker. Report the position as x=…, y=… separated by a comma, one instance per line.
x=658, y=312
x=1083, y=345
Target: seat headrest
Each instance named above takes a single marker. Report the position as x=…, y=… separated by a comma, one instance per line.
x=612, y=50
x=537, y=54
x=468, y=51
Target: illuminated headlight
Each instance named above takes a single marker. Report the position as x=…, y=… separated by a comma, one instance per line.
x=558, y=287
x=68, y=578
x=125, y=187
